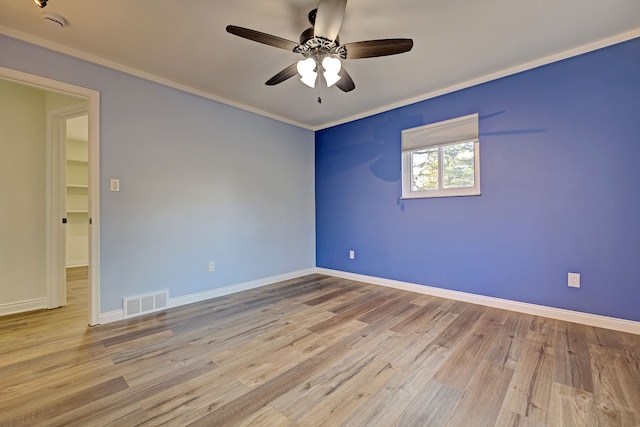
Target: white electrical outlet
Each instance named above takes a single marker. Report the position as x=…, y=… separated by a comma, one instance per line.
x=352, y=254
x=114, y=184
x=212, y=266
x=574, y=280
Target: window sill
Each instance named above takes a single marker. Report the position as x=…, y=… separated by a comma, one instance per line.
x=439, y=194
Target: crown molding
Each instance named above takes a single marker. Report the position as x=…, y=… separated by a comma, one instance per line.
x=423, y=97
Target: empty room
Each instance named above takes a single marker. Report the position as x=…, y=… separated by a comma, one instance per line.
x=319, y=213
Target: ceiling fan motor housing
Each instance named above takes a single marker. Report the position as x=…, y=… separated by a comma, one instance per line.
x=310, y=44
x=306, y=35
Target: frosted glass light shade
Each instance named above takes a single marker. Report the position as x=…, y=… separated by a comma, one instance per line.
x=306, y=69
x=331, y=79
x=331, y=67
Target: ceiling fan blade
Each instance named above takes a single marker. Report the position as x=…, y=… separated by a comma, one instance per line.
x=283, y=75
x=345, y=83
x=373, y=48
x=329, y=18
x=264, y=38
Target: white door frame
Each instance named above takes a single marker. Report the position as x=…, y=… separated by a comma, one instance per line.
x=53, y=209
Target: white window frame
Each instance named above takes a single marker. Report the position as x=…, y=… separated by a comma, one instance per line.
x=455, y=131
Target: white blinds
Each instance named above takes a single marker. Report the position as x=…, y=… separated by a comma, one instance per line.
x=460, y=129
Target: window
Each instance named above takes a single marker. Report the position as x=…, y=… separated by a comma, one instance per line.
x=441, y=159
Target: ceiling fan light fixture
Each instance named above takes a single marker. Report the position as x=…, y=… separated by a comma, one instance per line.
x=306, y=69
x=40, y=3
x=331, y=67
x=320, y=46
x=309, y=80
x=331, y=79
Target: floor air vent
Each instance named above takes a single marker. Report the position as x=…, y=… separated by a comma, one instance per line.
x=142, y=304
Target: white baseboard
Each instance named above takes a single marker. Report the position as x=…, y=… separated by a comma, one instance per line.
x=23, y=306
x=113, y=316
x=599, y=321
x=214, y=293
x=77, y=263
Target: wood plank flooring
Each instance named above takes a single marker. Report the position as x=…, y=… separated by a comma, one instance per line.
x=315, y=351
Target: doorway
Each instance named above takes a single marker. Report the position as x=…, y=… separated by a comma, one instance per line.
x=68, y=143
x=46, y=287
x=77, y=191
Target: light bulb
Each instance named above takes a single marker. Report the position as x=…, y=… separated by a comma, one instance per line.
x=306, y=69
x=331, y=79
x=331, y=67
x=310, y=80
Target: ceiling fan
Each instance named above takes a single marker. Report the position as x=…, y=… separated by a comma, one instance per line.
x=320, y=46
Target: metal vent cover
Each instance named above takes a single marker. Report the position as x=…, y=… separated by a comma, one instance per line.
x=142, y=304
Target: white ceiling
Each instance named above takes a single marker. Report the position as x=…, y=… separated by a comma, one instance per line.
x=456, y=43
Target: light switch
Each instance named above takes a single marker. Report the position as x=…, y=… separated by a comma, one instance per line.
x=574, y=280
x=115, y=184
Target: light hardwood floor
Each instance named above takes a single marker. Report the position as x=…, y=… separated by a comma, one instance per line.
x=315, y=351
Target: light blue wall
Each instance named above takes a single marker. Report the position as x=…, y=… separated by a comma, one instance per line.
x=199, y=181
x=560, y=153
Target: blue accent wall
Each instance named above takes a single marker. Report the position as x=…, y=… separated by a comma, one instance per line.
x=560, y=178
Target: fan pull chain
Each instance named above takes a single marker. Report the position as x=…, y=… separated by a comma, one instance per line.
x=319, y=86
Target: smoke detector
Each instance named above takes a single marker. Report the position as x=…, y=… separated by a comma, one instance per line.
x=53, y=19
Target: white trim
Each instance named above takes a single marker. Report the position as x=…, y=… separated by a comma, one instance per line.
x=596, y=320
x=94, y=207
x=407, y=174
x=93, y=100
x=151, y=77
x=77, y=263
x=143, y=74
x=23, y=306
x=227, y=290
x=113, y=316
x=610, y=41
